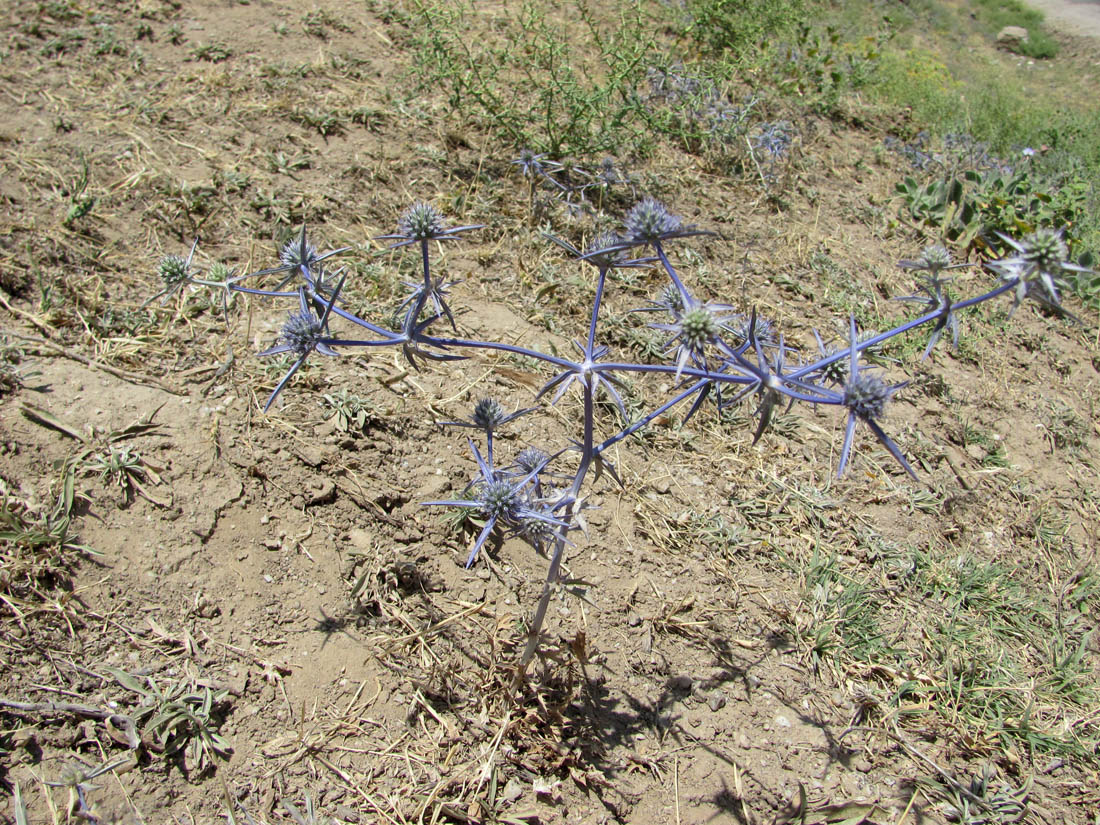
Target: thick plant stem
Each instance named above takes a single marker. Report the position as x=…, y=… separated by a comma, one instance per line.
x=553, y=573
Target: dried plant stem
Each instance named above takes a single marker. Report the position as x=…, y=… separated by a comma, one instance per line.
x=131, y=377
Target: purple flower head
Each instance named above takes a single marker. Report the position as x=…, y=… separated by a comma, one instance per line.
x=499, y=500
x=422, y=222
x=865, y=398
x=489, y=416
x=174, y=272
x=534, y=165
x=531, y=460
x=302, y=331
x=1045, y=249
x=671, y=301
x=299, y=252
x=297, y=257
x=867, y=395
x=934, y=260
x=607, y=250
x=608, y=174
x=693, y=328
x=745, y=326
x=935, y=257
x=774, y=140
x=649, y=223
x=504, y=501
x=1038, y=269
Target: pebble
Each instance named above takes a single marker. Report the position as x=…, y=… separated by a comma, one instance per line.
x=716, y=702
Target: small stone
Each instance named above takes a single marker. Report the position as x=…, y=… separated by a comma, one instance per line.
x=360, y=539
x=204, y=524
x=325, y=493
x=313, y=456
x=782, y=721
x=717, y=701
x=862, y=764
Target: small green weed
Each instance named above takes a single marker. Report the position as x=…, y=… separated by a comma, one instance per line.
x=352, y=413
x=842, y=616
x=531, y=78
x=181, y=718
x=103, y=453
x=318, y=22
x=13, y=376
x=80, y=202
x=738, y=28
x=212, y=53
x=1065, y=428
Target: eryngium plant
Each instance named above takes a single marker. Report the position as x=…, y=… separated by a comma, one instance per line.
x=713, y=353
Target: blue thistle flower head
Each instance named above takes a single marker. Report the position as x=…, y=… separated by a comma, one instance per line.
x=835, y=372
x=506, y=502
x=649, y=222
x=534, y=165
x=531, y=459
x=693, y=328
x=299, y=252
x=500, y=500
x=746, y=325
x=605, y=250
x=867, y=395
x=488, y=414
x=1045, y=249
x=774, y=140
x=538, y=532
x=421, y=222
x=671, y=300
x=174, y=270
x=698, y=327
x=934, y=258
x=301, y=332
x=175, y=273
x=1039, y=268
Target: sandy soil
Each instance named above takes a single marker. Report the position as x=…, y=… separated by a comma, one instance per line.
x=754, y=632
